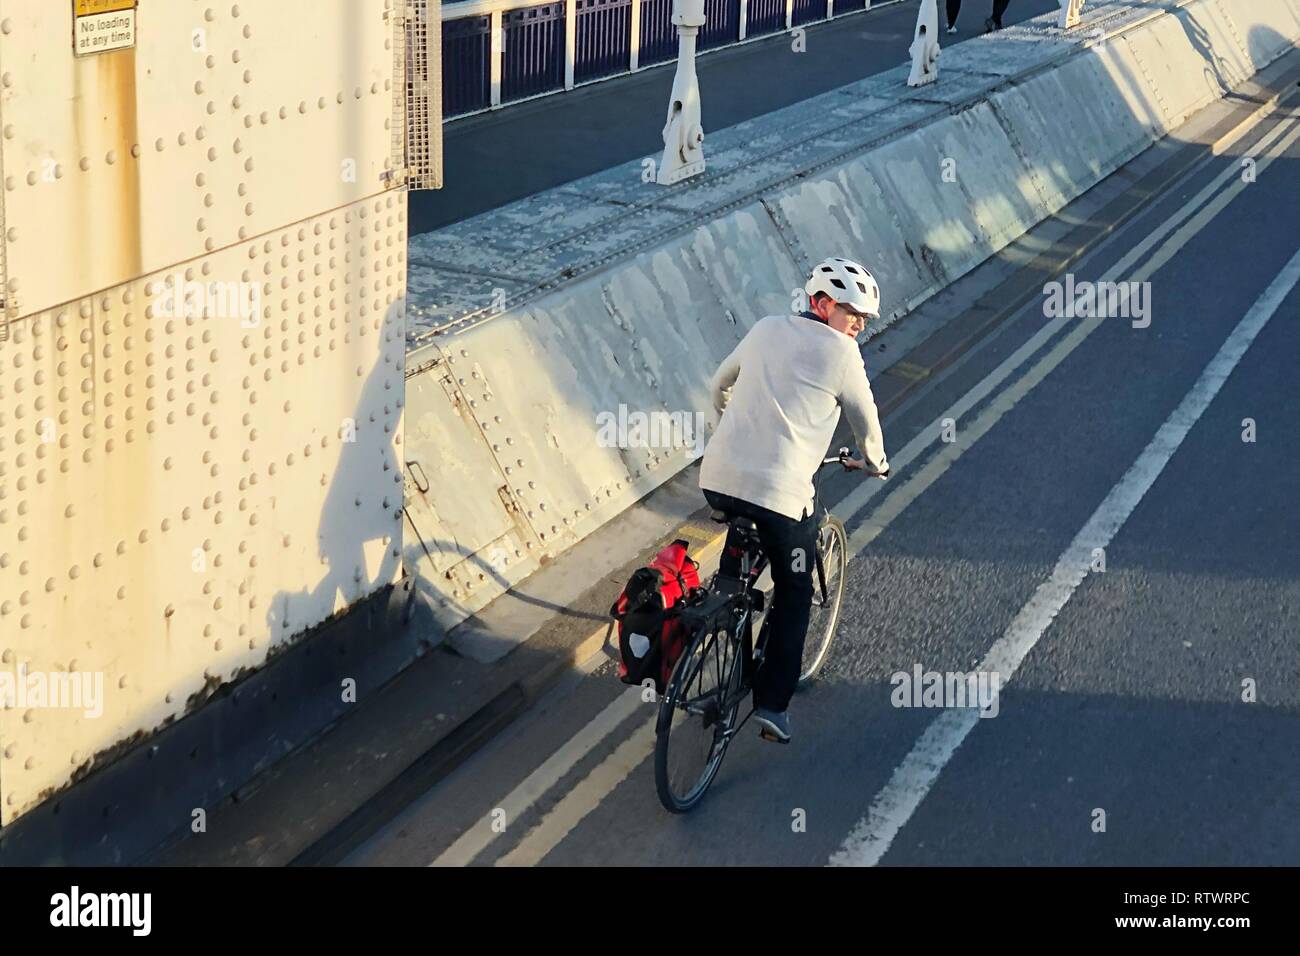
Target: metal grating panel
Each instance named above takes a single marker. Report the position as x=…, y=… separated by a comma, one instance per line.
x=420, y=77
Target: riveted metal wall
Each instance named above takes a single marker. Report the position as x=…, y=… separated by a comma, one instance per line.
x=201, y=396
x=466, y=78
x=658, y=35
x=721, y=23
x=765, y=16
x=806, y=11
x=533, y=55
x=604, y=37
x=6, y=306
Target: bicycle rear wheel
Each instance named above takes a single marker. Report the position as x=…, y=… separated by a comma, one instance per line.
x=828, y=594
x=696, y=716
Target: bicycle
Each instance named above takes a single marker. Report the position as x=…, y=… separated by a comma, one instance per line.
x=715, y=671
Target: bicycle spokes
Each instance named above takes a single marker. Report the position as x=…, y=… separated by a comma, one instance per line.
x=697, y=718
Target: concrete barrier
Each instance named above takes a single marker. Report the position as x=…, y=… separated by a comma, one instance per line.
x=535, y=323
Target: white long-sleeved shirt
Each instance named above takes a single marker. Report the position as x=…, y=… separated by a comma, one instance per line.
x=787, y=379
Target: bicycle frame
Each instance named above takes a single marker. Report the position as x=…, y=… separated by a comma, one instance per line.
x=722, y=654
x=735, y=596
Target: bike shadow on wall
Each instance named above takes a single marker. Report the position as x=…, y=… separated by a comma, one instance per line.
x=578, y=585
x=1260, y=42
x=362, y=524
x=359, y=527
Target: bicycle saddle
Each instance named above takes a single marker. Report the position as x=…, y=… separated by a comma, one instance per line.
x=736, y=521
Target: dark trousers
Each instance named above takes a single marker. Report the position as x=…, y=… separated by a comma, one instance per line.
x=999, y=8
x=789, y=546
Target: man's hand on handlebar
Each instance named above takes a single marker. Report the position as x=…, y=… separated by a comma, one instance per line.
x=857, y=464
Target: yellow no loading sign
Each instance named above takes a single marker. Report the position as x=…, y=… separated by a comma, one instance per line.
x=86, y=8
x=100, y=26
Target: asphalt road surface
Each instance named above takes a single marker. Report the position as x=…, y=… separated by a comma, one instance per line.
x=1148, y=713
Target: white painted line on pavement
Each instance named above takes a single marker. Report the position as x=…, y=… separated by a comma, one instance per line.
x=476, y=839
x=970, y=433
x=910, y=783
x=853, y=503
x=582, y=799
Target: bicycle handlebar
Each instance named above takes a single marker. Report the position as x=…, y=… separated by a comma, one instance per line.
x=845, y=453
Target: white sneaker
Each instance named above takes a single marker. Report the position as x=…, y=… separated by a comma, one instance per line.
x=952, y=29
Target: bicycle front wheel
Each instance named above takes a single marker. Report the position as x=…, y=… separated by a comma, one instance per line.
x=696, y=717
x=828, y=594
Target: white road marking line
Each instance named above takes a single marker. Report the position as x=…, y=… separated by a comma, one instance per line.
x=582, y=799
x=854, y=503
x=910, y=783
x=857, y=500
x=476, y=839
x=968, y=435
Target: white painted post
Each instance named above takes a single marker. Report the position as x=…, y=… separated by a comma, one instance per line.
x=570, y=40
x=496, y=47
x=789, y=14
x=830, y=9
x=925, y=45
x=1071, y=10
x=744, y=18
x=683, y=135
x=635, y=59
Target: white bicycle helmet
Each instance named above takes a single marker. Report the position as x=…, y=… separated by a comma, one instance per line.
x=846, y=282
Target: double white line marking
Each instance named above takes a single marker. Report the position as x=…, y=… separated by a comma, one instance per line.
x=894, y=805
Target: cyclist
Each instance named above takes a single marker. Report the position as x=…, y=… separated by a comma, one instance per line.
x=783, y=388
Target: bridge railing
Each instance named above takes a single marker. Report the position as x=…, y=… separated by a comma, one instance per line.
x=496, y=52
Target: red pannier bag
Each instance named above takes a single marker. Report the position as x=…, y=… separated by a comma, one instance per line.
x=650, y=633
